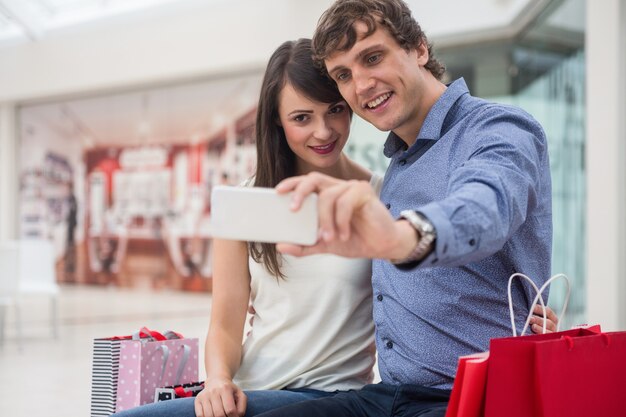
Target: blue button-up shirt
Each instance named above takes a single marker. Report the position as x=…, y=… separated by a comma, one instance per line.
x=479, y=172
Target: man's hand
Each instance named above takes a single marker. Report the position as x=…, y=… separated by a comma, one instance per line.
x=352, y=220
x=536, y=321
x=220, y=398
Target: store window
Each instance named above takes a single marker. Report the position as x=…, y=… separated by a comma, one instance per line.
x=542, y=71
x=120, y=183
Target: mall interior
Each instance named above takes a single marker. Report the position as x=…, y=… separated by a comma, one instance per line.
x=118, y=117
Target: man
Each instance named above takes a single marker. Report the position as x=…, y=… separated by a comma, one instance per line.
x=466, y=202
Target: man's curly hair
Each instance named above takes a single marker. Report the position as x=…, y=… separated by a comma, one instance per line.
x=335, y=29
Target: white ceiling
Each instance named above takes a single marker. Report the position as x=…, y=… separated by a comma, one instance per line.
x=190, y=112
x=176, y=114
x=34, y=19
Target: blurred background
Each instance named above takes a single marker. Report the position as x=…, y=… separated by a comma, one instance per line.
x=117, y=117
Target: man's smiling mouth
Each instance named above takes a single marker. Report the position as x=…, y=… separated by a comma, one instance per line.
x=377, y=101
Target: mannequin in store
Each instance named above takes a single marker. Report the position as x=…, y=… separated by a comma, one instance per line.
x=70, y=242
x=313, y=334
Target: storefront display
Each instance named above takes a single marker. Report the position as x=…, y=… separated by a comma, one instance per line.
x=139, y=214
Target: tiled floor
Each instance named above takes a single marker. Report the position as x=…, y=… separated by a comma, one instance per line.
x=51, y=377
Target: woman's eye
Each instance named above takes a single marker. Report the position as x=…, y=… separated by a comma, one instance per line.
x=337, y=109
x=300, y=118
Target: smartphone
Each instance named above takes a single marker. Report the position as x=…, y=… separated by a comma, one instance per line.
x=256, y=214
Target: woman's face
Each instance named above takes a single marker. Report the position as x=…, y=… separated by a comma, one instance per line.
x=316, y=132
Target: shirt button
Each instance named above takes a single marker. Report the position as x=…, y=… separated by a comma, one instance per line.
x=379, y=297
x=402, y=162
x=388, y=206
x=472, y=242
x=390, y=344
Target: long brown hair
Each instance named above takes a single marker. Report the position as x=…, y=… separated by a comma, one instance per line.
x=291, y=63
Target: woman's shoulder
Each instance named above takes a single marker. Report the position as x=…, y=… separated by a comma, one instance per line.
x=364, y=174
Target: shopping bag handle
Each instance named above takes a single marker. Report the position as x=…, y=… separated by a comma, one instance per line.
x=144, y=332
x=182, y=393
x=171, y=334
x=538, y=297
x=166, y=355
x=183, y=363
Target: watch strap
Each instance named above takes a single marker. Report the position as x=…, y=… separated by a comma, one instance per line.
x=426, y=235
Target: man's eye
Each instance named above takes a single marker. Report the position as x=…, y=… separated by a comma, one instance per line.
x=342, y=76
x=372, y=59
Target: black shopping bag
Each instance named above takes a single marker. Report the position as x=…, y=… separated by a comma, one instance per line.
x=178, y=391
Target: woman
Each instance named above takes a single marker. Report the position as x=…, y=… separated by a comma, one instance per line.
x=313, y=333
x=312, y=326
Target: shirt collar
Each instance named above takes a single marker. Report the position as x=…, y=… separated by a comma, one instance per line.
x=433, y=124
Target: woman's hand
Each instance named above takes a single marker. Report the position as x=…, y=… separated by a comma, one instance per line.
x=220, y=398
x=536, y=321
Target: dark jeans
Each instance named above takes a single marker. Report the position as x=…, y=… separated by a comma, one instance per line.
x=375, y=400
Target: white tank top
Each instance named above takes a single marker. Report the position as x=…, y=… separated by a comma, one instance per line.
x=313, y=329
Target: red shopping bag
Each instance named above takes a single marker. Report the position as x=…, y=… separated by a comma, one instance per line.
x=468, y=392
x=578, y=372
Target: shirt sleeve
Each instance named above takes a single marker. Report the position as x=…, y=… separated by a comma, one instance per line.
x=491, y=191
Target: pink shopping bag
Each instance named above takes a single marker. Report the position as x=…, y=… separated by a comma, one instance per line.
x=105, y=369
x=148, y=363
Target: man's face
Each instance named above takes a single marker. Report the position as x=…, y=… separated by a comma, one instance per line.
x=382, y=82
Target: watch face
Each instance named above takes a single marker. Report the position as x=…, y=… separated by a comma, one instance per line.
x=423, y=224
x=419, y=222
x=426, y=235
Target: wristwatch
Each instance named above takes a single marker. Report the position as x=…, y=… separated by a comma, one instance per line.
x=426, y=235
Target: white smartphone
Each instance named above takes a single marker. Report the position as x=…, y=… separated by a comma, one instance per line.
x=256, y=214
